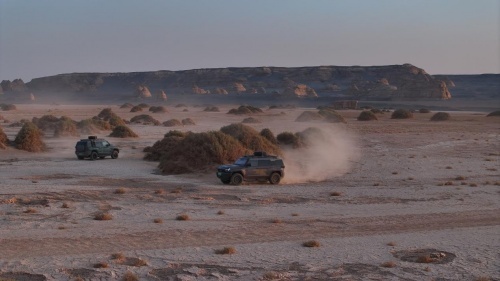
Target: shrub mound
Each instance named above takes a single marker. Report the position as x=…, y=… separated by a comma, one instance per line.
x=158, y=109
x=7, y=107
x=269, y=135
x=441, y=116
x=29, y=138
x=424, y=110
x=367, y=116
x=211, y=109
x=143, y=105
x=66, y=127
x=307, y=116
x=245, y=109
x=325, y=114
x=123, y=131
x=281, y=106
x=4, y=141
x=288, y=138
x=127, y=105
x=180, y=105
x=250, y=138
x=376, y=111
x=494, y=113
x=169, y=141
x=145, y=119
x=402, y=114
x=188, y=121
x=250, y=120
x=301, y=139
x=93, y=125
x=109, y=116
x=136, y=109
x=172, y=123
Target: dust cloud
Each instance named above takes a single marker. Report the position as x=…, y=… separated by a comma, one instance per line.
x=325, y=157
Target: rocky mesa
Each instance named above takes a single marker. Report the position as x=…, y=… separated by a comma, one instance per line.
x=391, y=82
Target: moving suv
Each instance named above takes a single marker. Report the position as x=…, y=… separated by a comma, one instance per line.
x=256, y=167
x=94, y=148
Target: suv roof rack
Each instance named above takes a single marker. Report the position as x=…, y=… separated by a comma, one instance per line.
x=92, y=137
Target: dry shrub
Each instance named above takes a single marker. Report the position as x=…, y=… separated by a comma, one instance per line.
x=4, y=141
x=276, y=221
x=331, y=116
x=388, y=264
x=424, y=110
x=30, y=211
x=123, y=132
x=120, y=190
x=367, y=116
x=93, y=125
x=160, y=191
x=483, y=278
x=46, y=122
x=172, y=123
x=288, y=138
x=425, y=259
x=336, y=193
x=376, y=111
x=180, y=105
x=392, y=244
x=129, y=276
x=158, y=220
x=250, y=138
x=66, y=127
x=220, y=212
x=183, y=217
x=188, y=121
x=127, y=105
x=269, y=135
x=118, y=257
x=307, y=116
x=7, y=107
x=245, y=109
x=29, y=138
x=136, y=109
x=138, y=262
x=250, y=120
x=494, y=113
x=226, y=251
x=158, y=109
x=311, y=244
x=103, y=217
x=441, y=116
x=101, y=265
x=460, y=178
x=65, y=205
x=211, y=109
x=108, y=115
x=145, y=119
x=402, y=114
x=169, y=142
x=143, y=105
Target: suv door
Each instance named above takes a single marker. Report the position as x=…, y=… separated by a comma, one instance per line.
x=257, y=168
x=105, y=148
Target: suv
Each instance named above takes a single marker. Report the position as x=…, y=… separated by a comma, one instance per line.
x=259, y=167
x=94, y=148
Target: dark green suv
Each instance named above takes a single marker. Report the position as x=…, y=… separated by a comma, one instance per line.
x=94, y=148
x=256, y=167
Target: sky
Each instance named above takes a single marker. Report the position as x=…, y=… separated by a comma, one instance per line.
x=44, y=38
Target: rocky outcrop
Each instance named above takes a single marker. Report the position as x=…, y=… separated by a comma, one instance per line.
x=17, y=85
x=142, y=92
x=346, y=82
x=161, y=95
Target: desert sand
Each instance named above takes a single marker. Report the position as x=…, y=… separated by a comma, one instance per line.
x=377, y=197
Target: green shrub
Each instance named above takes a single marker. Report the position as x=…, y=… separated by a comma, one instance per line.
x=440, y=116
x=123, y=132
x=29, y=138
x=250, y=138
x=402, y=114
x=66, y=127
x=367, y=116
x=269, y=135
x=289, y=138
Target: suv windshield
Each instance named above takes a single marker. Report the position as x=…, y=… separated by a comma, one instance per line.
x=241, y=162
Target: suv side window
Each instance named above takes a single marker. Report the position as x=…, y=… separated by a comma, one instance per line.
x=264, y=163
x=254, y=163
x=105, y=143
x=98, y=144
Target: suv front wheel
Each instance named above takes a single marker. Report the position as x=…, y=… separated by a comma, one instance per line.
x=114, y=154
x=94, y=155
x=274, y=178
x=236, y=179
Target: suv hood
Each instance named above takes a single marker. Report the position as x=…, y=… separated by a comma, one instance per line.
x=232, y=166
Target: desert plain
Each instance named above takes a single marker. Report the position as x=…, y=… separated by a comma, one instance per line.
x=382, y=200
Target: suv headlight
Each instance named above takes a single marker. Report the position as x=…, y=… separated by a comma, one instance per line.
x=227, y=170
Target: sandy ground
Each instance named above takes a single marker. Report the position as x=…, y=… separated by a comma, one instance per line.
x=395, y=191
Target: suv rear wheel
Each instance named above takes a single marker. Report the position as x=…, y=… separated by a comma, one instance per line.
x=274, y=178
x=236, y=179
x=114, y=154
x=94, y=155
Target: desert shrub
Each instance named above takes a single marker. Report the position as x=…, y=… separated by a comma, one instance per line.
x=269, y=135
x=101, y=265
x=3, y=139
x=66, y=127
x=309, y=135
x=388, y=264
x=245, y=109
x=226, y=251
x=311, y=244
x=180, y=105
x=183, y=217
x=145, y=119
x=331, y=115
x=199, y=151
x=108, y=115
x=29, y=138
x=116, y=121
x=92, y=125
x=494, y=113
x=143, y=105
x=424, y=110
x=129, y=276
x=250, y=138
x=188, y=121
x=440, y=116
x=46, y=122
x=127, y=105
x=401, y=114
x=288, y=138
x=367, y=116
x=103, y=217
x=7, y=107
x=168, y=143
x=250, y=120
x=172, y=123
x=158, y=109
x=136, y=109
x=158, y=220
x=123, y=132
x=211, y=109
x=307, y=116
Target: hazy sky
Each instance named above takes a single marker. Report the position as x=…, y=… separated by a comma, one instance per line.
x=43, y=38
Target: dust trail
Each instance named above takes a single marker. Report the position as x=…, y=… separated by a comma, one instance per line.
x=324, y=158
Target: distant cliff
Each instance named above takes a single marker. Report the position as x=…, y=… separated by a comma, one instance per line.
x=390, y=82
